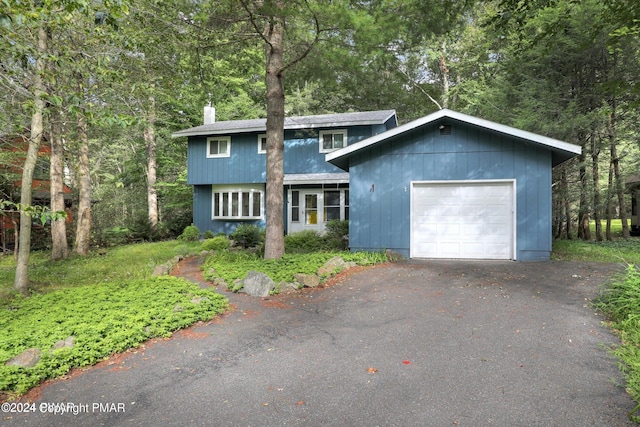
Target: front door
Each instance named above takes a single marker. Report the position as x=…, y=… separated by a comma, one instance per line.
x=305, y=210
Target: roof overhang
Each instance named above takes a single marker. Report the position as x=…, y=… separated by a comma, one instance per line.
x=561, y=151
x=316, y=178
x=291, y=123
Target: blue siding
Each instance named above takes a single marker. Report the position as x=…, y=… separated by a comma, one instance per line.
x=380, y=219
x=202, y=215
x=246, y=165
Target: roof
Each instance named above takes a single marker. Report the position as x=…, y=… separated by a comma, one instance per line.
x=300, y=122
x=314, y=178
x=561, y=150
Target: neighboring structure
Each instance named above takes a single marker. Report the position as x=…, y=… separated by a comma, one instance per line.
x=227, y=167
x=41, y=196
x=447, y=185
x=450, y=185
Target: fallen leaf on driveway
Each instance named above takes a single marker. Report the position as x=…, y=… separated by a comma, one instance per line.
x=406, y=362
x=372, y=370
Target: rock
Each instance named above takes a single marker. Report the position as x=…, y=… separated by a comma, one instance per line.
x=161, y=270
x=258, y=284
x=393, y=256
x=198, y=300
x=66, y=343
x=287, y=287
x=307, y=280
x=26, y=359
x=333, y=266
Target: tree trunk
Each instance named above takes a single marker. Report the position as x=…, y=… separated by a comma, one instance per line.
x=609, y=205
x=584, y=232
x=21, y=281
x=595, y=176
x=611, y=127
x=445, y=75
x=274, y=36
x=150, y=142
x=59, y=244
x=83, y=226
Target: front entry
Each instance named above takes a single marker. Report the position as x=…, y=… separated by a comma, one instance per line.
x=310, y=209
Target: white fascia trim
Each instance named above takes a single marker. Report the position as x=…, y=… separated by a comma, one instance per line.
x=543, y=140
x=316, y=178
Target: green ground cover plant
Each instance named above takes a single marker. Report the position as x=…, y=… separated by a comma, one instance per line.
x=104, y=319
x=108, y=301
x=235, y=265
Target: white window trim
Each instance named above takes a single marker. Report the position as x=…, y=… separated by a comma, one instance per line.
x=216, y=210
x=218, y=138
x=333, y=132
x=260, y=150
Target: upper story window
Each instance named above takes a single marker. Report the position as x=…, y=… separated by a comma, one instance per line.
x=332, y=140
x=262, y=143
x=218, y=146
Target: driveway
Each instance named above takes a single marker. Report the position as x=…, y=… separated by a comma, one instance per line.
x=417, y=343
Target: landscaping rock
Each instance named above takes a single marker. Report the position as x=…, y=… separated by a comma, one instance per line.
x=393, y=256
x=198, y=300
x=26, y=359
x=307, y=280
x=287, y=287
x=258, y=284
x=333, y=266
x=66, y=343
x=161, y=270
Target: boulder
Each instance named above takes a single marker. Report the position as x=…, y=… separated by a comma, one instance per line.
x=307, y=280
x=333, y=266
x=258, y=284
x=287, y=287
x=66, y=343
x=26, y=359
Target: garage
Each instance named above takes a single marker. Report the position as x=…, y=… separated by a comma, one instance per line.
x=450, y=185
x=467, y=220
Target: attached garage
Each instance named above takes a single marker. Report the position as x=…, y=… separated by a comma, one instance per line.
x=450, y=185
x=469, y=219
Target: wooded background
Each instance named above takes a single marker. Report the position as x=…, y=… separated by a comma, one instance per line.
x=106, y=82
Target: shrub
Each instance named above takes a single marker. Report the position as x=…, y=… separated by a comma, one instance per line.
x=217, y=243
x=207, y=234
x=247, y=235
x=191, y=233
x=303, y=242
x=337, y=235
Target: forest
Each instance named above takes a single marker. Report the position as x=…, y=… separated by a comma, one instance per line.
x=99, y=86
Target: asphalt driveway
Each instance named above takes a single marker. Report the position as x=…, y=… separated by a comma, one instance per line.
x=417, y=343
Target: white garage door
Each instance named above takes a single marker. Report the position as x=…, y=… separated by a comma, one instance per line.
x=462, y=220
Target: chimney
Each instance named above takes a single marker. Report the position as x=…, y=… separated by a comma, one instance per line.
x=209, y=114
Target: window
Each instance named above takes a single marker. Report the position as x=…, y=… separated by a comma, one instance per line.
x=218, y=146
x=234, y=203
x=262, y=144
x=332, y=140
x=295, y=206
x=336, y=205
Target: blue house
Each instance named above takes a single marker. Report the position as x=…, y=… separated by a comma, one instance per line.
x=447, y=185
x=450, y=185
x=226, y=164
